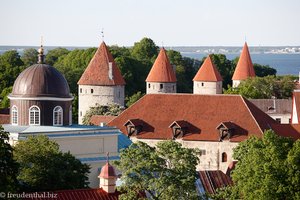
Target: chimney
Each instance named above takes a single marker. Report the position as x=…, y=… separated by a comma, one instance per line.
x=110, y=71
x=108, y=177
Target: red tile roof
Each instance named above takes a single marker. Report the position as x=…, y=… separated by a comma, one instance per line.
x=78, y=194
x=4, y=119
x=97, y=71
x=162, y=70
x=244, y=69
x=296, y=100
x=212, y=180
x=97, y=119
x=203, y=113
x=208, y=72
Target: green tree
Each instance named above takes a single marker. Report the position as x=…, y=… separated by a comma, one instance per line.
x=4, y=102
x=8, y=166
x=112, y=110
x=43, y=167
x=264, y=88
x=145, y=49
x=267, y=168
x=134, y=98
x=30, y=57
x=167, y=171
x=54, y=54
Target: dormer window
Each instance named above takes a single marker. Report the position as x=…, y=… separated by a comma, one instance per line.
x=179, y=128
x=134, y=126
x=226, y=130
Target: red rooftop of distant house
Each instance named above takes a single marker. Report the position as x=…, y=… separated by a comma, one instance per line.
x=244, y=69
x=203, y=113
x=208, y=72
x=98, y=119
x=97, y=72
x=162, y=70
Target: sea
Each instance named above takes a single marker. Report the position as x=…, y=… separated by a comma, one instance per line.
x=285, y=59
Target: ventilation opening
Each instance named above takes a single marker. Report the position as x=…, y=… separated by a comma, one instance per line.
x=224, y=157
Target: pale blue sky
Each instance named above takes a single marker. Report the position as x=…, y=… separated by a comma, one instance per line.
x=167, y=22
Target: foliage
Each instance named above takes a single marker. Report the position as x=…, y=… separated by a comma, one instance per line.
x=167, y=171
x=264, y=88
x=267, y=168
x=75, y=108
x=29, y=57
x=112, y=110
x=43, y=167
x=8, y=167
x=145, y=49
x=134, y=98
x=5, y=103
x=54, y=54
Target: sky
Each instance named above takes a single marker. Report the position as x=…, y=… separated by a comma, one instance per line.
x=166, y=22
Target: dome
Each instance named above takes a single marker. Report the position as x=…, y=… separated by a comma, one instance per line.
x=41, y=80
x=107, y=171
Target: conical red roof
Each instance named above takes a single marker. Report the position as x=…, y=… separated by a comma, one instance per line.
x=244, y=69
x=161, y=70
x=97, y=72
x=208, y=72
x=107, y=171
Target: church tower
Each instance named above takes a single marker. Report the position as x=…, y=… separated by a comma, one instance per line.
x=244, y=69
x=101, y=83
x=108, y=178
x=161, y=78
x=208, y=80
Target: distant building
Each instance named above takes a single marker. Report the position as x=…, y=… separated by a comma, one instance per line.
x=161, y=78
x=244, y=68
x=101, y=83
x=278, y=109
x=208, y=80
x=41, y=104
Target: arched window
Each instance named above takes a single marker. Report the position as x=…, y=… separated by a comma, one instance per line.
x=70, y=115
x=57, y=116
x=34, y=115
x=224, y=157
x=14, y=115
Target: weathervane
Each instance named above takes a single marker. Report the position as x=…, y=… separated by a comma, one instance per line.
x=102, y=34
x=107, y=157
x=41, y=53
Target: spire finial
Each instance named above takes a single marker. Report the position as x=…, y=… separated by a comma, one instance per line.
x=245, y=38
x=102, y=34
x=41, y=53
x=107, y=157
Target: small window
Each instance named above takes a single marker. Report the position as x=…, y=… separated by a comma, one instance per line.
x=149, y=86
x=173, y=87
x=80, y=90
x=80, y=113
x=202, y=84
x=224, y=157
x=92, y=91
x=161, y=86
x=202, y=152
x=119, y=94
x=14, y=116
x=57, y=116
x=290, y=120
x=34, y=115
x=278, y=120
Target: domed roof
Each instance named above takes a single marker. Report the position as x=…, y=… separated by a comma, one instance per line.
x=107, y=171
x=41, y=80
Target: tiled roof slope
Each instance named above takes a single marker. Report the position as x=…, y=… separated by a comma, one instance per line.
x=79, y=194
x=203, y=112
x=212, y=180
x=274, y=106
x=244, y=69
x=97, y=119
x=97, y=71
x=162, y=70
x=296, y=104
x=208, y=72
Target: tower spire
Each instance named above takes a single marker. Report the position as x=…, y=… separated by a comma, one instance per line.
x=102, y=34
x=41, y=55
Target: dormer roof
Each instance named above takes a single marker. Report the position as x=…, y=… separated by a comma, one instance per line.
x=98, y=70
x=162, y=70
x=208, y=72
x=244, y=69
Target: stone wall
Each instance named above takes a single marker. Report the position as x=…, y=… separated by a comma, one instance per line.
x=89, y=96
x=202, y=87
x=156, y=88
